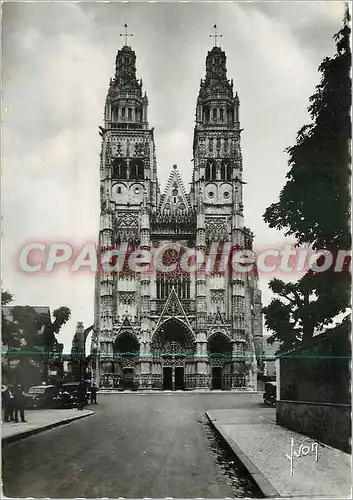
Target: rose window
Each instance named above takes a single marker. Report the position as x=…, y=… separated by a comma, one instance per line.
x=170, y=257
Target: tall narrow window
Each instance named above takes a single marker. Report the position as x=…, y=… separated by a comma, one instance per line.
x=211, y=170
x=223, y=171
x=136, y=170
x=122, y=112
x=229, y=172
x=221, y=114
x=214, y=171
x=129, y=112
x=214, y=113
x=208, y=172
x=119, y=169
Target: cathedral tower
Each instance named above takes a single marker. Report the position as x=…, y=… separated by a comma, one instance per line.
x=128, y=192
x=217, y=194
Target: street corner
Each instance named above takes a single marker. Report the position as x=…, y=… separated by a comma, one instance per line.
x=38, y=421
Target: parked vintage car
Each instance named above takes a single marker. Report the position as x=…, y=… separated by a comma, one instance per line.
x=270, y=393
x=65, y=400
x=40, y=397
x=67, y=397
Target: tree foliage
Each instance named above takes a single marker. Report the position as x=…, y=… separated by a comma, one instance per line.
x=31, y=338
x=314, y=204
x=9, y=333
x=51, y=329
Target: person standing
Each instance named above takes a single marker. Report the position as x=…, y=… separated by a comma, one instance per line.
x=82, y=392
x=94, y=390
x=8, y=401
x=19, y=404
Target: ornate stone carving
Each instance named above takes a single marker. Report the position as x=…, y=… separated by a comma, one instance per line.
x=216, y=229
x=217, y=296
x=174, y=307
x=126, y=297
x=219, y=361
x=127, y=362
x=139, y=150
x=218, y=145
x=127, y=227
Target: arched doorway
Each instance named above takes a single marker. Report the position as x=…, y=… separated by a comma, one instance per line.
x=126, y=350
x=220, y=357
x=173, y=349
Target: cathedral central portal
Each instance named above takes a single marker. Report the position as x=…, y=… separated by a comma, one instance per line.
x=173, y=351
x=168, y=327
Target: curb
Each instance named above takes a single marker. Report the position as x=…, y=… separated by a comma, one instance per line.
x=264, y=485
x=32, y=432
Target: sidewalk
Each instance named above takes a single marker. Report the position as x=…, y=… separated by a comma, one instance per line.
x=39, y=421
x=262, y=446
x=161, y=392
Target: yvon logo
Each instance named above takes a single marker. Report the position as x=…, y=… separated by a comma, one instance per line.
x=303, y=451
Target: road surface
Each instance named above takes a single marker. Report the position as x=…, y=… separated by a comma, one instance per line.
x=135, y=446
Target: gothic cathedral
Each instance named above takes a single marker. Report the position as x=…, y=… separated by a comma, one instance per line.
x=174, y=327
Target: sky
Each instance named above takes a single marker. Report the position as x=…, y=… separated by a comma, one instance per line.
x=57, y=62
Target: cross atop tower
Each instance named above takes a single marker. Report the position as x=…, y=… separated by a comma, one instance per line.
x=215, y=35
x=126, y=34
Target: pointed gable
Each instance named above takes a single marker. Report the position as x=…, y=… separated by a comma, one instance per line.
x=173, y=308
x=126, y=327
x=174, y=199
x=219, y=320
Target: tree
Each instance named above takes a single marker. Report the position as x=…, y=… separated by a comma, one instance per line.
x=314, y=204
x=51, y=329
x=31, y=339
x=6, y=298
x=9, y=334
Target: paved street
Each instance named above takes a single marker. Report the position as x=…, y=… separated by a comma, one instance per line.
x=134, y=446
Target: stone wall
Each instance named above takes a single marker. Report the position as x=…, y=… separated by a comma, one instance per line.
x=328, y=423
x=313, y=388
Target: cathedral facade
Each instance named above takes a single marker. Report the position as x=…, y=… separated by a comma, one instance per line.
x=184, y=319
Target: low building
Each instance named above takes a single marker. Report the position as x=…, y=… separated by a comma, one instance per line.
x=313, y=388
x=269, y=359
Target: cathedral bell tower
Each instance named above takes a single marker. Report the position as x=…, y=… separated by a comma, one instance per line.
x=128, y=192
x=216, y=194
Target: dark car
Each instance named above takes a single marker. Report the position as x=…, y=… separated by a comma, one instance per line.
x=72, y=388
x=270, y=393
x=40, y=396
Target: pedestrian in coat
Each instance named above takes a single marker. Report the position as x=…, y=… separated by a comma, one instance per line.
x=19, y=404
x=8, y=401
x=94, y=390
